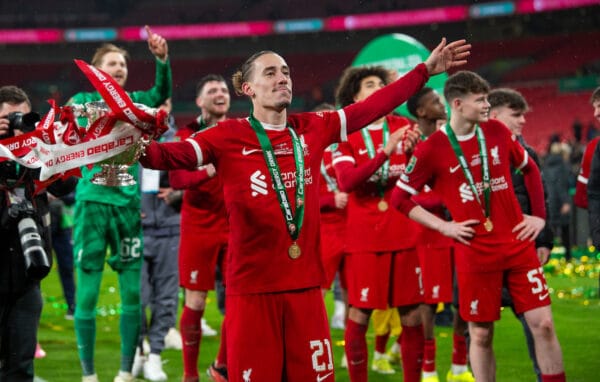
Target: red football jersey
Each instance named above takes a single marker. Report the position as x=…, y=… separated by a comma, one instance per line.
x=202, y=205
x=258, y=258
x=434, y=204
x=368, y=228
x=434, y=163
x=580, y=198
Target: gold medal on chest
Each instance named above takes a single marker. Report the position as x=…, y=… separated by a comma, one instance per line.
x=294, y=251
x=488, y=225
x=382, y=205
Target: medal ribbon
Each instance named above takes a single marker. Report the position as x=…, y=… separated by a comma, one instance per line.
x=485, y=169
x=384, y=170
x=293, y=222
x=331, y=182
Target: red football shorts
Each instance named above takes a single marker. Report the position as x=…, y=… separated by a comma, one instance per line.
x=406, y=283
x=278, y=337
x=378, y=280
x=332, y=254
x=199, y=252
x=480, y=292
x=437, y=270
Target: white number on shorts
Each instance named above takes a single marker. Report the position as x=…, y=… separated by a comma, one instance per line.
x=318, y=350
x=535, y=277
x=130, y=247
x=420, y=277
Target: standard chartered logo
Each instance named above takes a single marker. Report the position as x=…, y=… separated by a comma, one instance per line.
x=466, y=195
x=258, y=184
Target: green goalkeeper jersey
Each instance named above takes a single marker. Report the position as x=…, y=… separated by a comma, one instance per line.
x=125, y=196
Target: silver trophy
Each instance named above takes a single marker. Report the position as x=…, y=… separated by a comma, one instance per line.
x=114, y=170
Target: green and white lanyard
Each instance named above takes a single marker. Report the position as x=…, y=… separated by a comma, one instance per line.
x=293, y=221
x=384, y=170
x=331, y=182
x=485, y=170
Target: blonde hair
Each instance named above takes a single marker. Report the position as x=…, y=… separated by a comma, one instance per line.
x=103, y=50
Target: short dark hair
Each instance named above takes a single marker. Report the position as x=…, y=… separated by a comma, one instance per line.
x=13, y=95
x=103, y=50
x=245, y=71
x=464, y=82
x=414, y=102
x=208, y=78
x=595, y=95
x=509, y=98
x=349, y=85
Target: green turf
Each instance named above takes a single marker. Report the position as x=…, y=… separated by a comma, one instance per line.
x=577, y=317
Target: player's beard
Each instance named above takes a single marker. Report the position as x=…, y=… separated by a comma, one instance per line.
x=282, y=105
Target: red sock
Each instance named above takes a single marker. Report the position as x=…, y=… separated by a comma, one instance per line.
x=381, y=342
x=429, y=356
x=222, y=355
x=356, y=351
x=459, y=350
x=554, y=377
x=191, y=334
x=411, y=345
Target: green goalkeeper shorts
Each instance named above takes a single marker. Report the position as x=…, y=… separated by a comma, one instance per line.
x=103, y=232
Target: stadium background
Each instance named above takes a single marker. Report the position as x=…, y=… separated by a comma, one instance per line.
x=551, y=54
x=548, y=49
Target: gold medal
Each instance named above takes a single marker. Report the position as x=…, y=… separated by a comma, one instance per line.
x=382, y=205
x=488, y=225
x=294, y=251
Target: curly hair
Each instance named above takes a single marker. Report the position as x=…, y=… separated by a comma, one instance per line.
x=349, y=85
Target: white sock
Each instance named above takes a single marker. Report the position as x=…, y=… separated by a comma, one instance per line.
x=377, y=355
x=458, y=369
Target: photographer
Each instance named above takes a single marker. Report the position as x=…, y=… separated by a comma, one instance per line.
x=25, y=246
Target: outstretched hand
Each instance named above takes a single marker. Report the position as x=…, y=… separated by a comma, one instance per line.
x=157, y=44
x=445, y=57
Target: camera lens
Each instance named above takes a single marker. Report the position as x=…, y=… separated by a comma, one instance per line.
x=37, y=263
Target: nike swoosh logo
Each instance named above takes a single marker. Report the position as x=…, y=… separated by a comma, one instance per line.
x=322, y=378
x=362, y=151
x=354, y=363
x=543, y=296
x=248, y=152
x=454, y=169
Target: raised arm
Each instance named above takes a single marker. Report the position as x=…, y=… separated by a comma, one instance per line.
x=382, y=102
x=162, y=88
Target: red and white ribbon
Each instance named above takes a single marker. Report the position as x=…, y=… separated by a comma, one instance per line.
x=59, y=148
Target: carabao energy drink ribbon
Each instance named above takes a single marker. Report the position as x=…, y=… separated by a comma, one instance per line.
x=58, y=149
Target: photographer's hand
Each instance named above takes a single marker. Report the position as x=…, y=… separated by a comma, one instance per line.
x=3, y=126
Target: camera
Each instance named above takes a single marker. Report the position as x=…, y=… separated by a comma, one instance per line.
x=37, y=263
x=21, y=121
